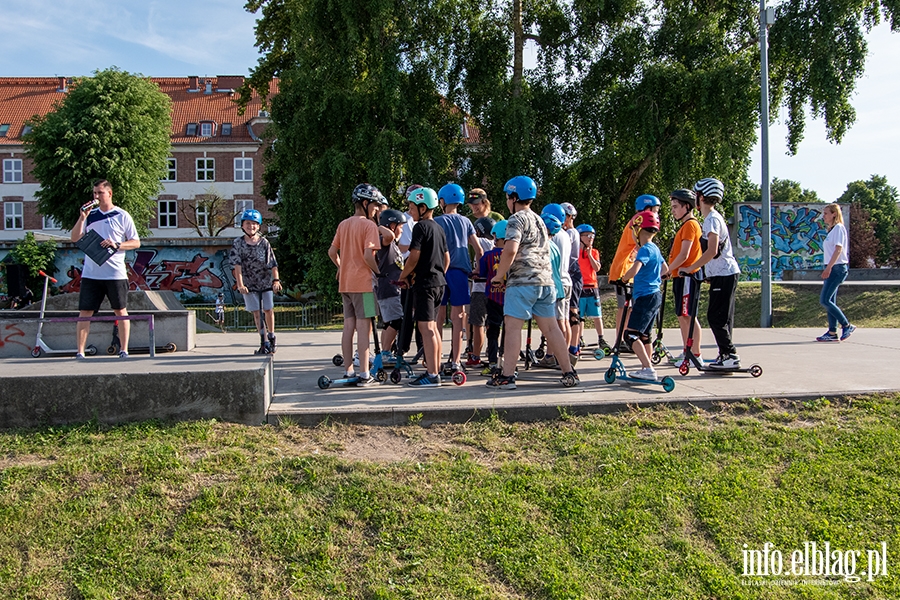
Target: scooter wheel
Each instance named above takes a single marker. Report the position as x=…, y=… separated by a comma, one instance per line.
x=396, y=376
x=337, y=360
x=171, y=347
x=324, y=383
x=655, y=358
x=539, y=354
x=568, y=381
x=36, y=352
x=668, y=384
x=610, y=375
x=90, y=350
x=599, y=354
x=380, y=376
x=112, y=350
x=683, y=368
x=755, y=370
x=458, y=378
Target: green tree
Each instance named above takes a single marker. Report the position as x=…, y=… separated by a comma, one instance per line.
x=880, y=201
x=114, y=126
x=37, y=256
x=864, y=245
x=789, y=191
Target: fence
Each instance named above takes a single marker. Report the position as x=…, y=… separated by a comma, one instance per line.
x=288, y=315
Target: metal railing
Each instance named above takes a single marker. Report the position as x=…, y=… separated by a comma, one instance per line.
x=288, y=315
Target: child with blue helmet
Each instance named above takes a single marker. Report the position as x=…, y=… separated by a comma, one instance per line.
x=494, y=293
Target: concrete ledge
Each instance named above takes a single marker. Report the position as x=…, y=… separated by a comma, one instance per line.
x=852, y=275
x=240, y=394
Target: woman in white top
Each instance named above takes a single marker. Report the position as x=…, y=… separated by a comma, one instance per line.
x=834, y=250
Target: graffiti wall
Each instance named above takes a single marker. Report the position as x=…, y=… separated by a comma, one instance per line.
x=798, y=232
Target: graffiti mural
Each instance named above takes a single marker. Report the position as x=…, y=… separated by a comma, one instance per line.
x=798, y=232
x=191, y=272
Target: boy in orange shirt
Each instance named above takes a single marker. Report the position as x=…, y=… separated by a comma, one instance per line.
x=353, y=253
x=686, y=250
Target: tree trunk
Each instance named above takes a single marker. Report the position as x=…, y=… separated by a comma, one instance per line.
x=518, y=49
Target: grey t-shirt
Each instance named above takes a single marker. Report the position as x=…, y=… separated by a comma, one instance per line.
x=256, y=262
x=532, y=263
x=725, y=264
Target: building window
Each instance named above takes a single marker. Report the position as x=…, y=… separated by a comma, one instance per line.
x=168, y=214
x=12, y=170
x=226, y=128
x=203, y=217
x=239, y=207
x=206, y=129
x=26, y=129
x=191, y=129
x=243, y=169
x=4, y=129
x=51, y=223
x=206, y=169
x=171, y=170
x=12, y=215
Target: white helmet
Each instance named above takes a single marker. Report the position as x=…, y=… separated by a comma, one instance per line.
x=710, y=188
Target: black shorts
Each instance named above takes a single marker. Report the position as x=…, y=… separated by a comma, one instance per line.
x=426, y=302
x=685, y=290
x=94, y=290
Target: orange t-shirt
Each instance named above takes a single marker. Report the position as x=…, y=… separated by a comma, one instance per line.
x=354, y=237
x=588, y=274
x=690, y=230
x=625, y=253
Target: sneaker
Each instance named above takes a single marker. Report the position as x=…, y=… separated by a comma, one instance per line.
x=271, y=344
x=426, y=380
x=647, y=374
x=846, y=331
x=502, y=381
x=366, y=380
x=601, y=343
x=123, y=354
x=562, y=379
x=473, y=361
x=549, y=361
x=828, y=337
x=489, y=370
x=79, y=356
x=729, y=361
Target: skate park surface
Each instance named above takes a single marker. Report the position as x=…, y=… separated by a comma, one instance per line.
x=222, y=378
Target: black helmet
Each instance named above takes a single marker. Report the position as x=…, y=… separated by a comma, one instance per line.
x=483, y=227
x=686, y=196
x=391, y=216
x=366, y=192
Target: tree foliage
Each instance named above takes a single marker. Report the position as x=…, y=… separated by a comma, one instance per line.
x=626, y=97
x=114, y=126
x=879, y=199
x=790, y=192
x=863, y=243
x=219, y=213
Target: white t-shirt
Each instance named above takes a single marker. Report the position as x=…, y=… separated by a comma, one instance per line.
x=836, y=237
x=115, y=225
x=486, y=246
x=575, y=237
x=726, y=263
x=406, y=234
x=564, y=243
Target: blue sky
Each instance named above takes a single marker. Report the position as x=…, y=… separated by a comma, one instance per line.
x=215, y=37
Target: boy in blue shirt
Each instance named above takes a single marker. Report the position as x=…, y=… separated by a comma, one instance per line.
x=647, y=271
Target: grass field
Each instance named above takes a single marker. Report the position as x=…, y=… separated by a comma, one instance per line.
x=645, y=504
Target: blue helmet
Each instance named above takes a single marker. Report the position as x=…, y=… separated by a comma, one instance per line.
x=452, y=194
x=556, y=210
x=251, y=215
x=499, y=230
x=645, y=201
x=585, y=228
x=522, y=186
x=552, y=223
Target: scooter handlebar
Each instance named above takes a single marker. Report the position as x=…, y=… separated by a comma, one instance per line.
x=42, y=274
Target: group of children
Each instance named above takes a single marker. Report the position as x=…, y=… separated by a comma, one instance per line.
x=410, y=267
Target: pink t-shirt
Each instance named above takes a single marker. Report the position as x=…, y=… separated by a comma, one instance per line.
x=354, y=237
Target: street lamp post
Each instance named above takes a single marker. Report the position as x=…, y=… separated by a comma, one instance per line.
x=766, y=18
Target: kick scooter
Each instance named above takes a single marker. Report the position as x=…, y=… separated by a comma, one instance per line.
x=617, y=368
x=660, y=350
x=41, y=347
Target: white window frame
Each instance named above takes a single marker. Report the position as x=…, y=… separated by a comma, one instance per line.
x=206, y=169
x=202, y=214
x=206, y=129
x=12, y=170
x=13, y=216
x=167, y=210
x=243, y=169
x=171, y=169
x=51, y=224
x=239, y=207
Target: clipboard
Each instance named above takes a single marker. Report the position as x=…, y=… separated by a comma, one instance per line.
x=90, y=244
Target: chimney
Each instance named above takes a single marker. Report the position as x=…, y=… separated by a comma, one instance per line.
x=62, y=85
x=193, y=83
x=208, y=87
x=229, y=83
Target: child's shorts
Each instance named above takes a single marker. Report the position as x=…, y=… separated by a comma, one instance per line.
x=685, y=290
x=589, y=304
x=456, y=292
x=391, y=309
x=494, y=313
x=426, y=301
x=620, y=296
x=562, y=304
x=527, y=301
x=643, y=312
x=251, y=301
x=359, y=305
x=478, y=309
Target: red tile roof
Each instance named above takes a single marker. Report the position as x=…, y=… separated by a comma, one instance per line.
x=22, y=98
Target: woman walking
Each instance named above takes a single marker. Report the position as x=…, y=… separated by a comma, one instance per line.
x=835, y=251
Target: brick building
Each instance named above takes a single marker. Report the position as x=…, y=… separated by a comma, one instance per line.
x=214, y=150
